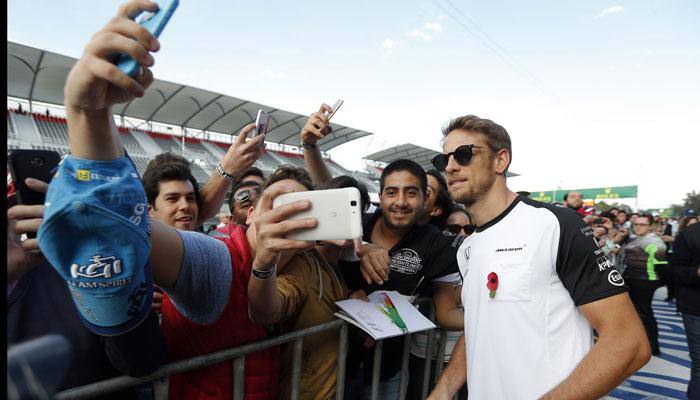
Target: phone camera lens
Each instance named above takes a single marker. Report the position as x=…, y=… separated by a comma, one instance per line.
x=38, y=161
x=353, y=203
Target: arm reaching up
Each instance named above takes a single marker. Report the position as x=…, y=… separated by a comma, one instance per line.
x=316, y=128
x=94, y=84
x=240, y=156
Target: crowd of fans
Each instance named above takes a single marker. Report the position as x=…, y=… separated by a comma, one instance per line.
x=243, y=282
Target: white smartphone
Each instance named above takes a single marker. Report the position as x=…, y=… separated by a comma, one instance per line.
x=261, y=122
x=338, y=212
x=336, y=106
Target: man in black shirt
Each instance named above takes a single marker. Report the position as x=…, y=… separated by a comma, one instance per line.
x=407, y=257
x=685, y=264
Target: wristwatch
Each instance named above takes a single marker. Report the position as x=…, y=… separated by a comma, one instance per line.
x=260, y=274
x=309, y=146
x=223, y=172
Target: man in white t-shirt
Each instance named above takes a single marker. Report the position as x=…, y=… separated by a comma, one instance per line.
x=535, y=286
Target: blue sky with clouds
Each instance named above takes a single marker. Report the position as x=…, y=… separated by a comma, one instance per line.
x=597, y=93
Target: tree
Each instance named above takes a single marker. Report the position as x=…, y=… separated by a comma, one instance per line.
x=604, y=206
x=692, y=201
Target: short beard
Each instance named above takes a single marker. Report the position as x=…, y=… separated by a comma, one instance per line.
x=391, y=226
x=470, y=198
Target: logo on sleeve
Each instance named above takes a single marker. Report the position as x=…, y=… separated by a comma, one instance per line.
x=615, y=278
x=82, y=174
x=603, y=263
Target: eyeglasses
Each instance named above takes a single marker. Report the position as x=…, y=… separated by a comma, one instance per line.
x=463, y=154
x=456, y=228
x=245, y=195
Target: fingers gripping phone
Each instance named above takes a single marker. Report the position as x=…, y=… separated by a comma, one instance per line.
x=154, y=23
x=337, y=212
x=261, y=123
x=37, y=164
x=336, y=106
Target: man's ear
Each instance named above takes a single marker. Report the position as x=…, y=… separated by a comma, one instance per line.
x=501, y=161
x=437, y=211
x=249, y=219
x=425, y=200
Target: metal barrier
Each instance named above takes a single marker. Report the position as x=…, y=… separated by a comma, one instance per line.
x=159, y=378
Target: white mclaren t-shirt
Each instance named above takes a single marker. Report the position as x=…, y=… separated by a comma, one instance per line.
x=530, y=336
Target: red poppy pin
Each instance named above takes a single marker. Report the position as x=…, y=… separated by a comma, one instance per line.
x=492, y=284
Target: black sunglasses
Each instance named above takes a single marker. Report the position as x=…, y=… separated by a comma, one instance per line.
x=456, y=228
x=463, y=154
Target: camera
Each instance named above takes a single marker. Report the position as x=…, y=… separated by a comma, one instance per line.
x=37, y=161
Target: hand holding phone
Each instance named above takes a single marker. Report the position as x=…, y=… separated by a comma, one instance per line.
x=337, y=212
x=336, y=106
x=318, y=125
x=154, y=22
x=22, y=256
x=37, y=164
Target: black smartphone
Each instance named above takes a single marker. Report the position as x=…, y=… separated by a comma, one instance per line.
x=37, y=164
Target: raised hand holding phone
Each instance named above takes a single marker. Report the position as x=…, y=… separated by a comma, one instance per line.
x=317, y=126
x=154, y=22
x=336, y=106
x=95, y=84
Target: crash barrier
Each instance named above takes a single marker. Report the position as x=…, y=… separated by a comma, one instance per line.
x=159, y=379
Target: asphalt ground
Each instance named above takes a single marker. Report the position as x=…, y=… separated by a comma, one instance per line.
x=665, y=376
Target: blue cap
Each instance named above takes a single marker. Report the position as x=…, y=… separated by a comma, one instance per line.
x=689, y=212
x=96, y=236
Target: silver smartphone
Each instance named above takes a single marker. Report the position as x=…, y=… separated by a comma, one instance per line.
x=261, y=122
x=338, y=212
x=336, y=106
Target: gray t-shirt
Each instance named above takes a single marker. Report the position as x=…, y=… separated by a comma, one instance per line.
x=204, y=285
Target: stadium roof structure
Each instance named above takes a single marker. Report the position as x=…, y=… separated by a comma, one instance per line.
x=38, y=75
x=421, y=155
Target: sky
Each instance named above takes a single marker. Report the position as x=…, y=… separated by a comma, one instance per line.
x=593, y=94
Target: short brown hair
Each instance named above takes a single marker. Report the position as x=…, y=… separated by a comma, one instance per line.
x=497, y=137
x=649, y=217
x=284, y=172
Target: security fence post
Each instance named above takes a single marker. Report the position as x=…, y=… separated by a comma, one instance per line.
x=441, y=354
x=404, y=366
x=239, y=378
x=342, y=361
x=296, y=368
x=160, y=388
x=377, y=368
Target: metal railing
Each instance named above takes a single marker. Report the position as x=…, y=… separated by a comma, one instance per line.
x=160, y=380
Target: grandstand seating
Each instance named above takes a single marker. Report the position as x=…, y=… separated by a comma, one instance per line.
x=45, y=132
x=53, y=130
x=11, y=132
x=24, y=127
x=296, y=160
x=131, y=144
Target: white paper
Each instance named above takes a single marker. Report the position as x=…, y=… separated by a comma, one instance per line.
x=369, y=317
